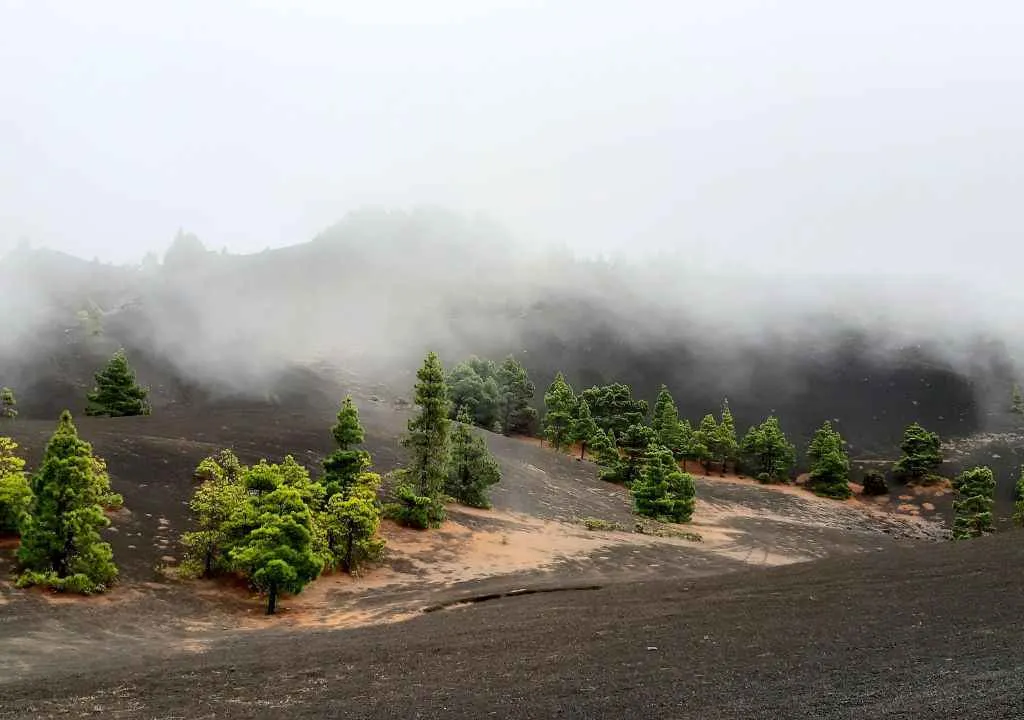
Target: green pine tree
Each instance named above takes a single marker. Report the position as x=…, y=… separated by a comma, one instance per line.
x=560, y=402
x=973, y=502
x=605, y=452
x=473, y=386
x=419, y=495
x=278, y=554
x=8, y=404
x=473, y=469
x=15, y=491
x=61, y=546
x=663, y=491
x=515, y=393
x=583, y=426
x=767, y=453
x=346, y=464
x=614, y=408
x=707, y=440
x=922, y=455
x=830, y=465
x=633, y=445
x=667, y=426
x=116, y=393
x=214, y=503
x=726, y=444
x=1017, y=401
x=352, y=520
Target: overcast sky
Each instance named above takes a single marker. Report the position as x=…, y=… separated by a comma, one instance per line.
x=791, y=134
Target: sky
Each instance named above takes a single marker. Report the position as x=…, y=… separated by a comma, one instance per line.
x=774, y=137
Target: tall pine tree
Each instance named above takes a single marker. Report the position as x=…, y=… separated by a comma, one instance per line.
x=343, y=467
x=583, y=426
x=972, y=506
x=767, y=453
x=61, y=546
x=515, y=392
x=560, y=402
x=830, y=465
x=419, y=496
x=352, y=520
x=473, y=469
x=726, y=444
x=922, y=455
x=116, y=393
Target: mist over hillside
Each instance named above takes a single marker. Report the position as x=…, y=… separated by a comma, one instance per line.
x=372, y=293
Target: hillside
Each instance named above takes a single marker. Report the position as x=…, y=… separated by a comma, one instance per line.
x=372, y=293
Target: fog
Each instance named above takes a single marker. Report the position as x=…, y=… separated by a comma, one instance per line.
x=650, y=192
x=796, y=136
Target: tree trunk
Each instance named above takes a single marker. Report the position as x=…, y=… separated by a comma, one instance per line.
x=348, y=550
x=583, y=449
x=208, y=563
x=272, y=599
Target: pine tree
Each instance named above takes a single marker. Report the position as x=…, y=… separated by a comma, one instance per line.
x=214, y=503
x=473, y=386
x=560, y=402
x=707, y=439
x=726, y=444
x=1017, y=401
x=663, y=491
x=972, y=506
x=606, y=453
x=8, y=404
x=614, y=408
x=420, y=493
x=116, y=393
x=61, y=545
x=666, y=424
x=830, y=465
x=691, y=443
x=767, y=452
x=473, y=468
x=515, y=392
x=277, y=555
x=583, y=426
x=633, y=446
x=352, y=520
x=825, y=440
x=922, y=456
x=15, y=491
x=344, y=466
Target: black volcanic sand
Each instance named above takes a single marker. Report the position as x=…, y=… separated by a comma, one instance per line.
x=152, y=619
x=924, y=632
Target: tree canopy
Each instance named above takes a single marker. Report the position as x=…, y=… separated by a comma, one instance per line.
x=116, y=393
x=347, y=463
x=61, y=546
x=922, y=456
x=613, y=407
x=584, y=429
x=663, y=491
x=972, y=505
x=15, y=492
x=560, y=403
x=8, y=403
x=473, y=469
x=767, y=453
x=830, y=465
x=419, y=495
